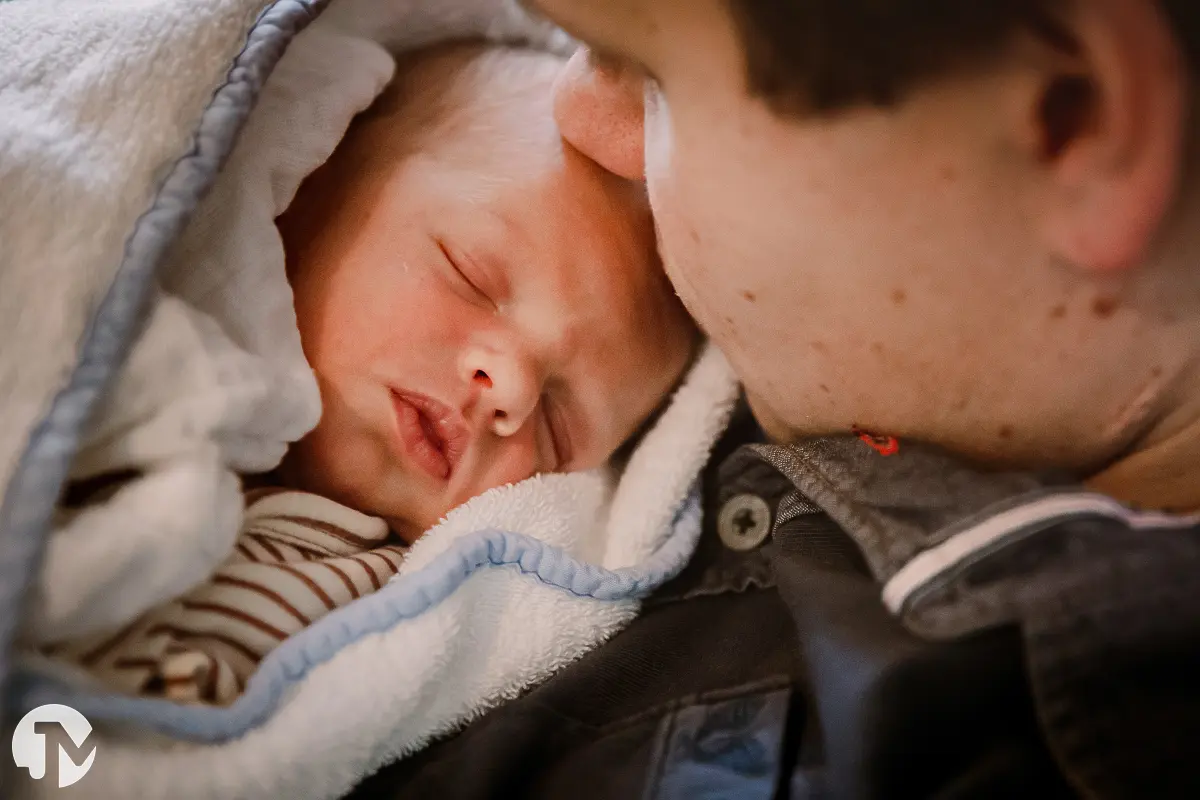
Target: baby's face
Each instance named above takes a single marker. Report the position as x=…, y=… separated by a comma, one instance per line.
x=474, y=321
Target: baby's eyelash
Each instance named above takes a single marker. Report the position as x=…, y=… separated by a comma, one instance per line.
x=454, y=264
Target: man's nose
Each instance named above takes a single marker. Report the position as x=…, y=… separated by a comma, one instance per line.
x=599, y=112
x=506, y=388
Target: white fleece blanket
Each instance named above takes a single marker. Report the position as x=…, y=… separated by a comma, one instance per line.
x=113, y=120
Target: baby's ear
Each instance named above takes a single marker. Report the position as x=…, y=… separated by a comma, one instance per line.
x=1104, y=122
x=599, y=110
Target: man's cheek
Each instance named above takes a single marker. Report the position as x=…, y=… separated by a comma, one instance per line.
x=686, y=273
x=677, y=244
x=702, y=283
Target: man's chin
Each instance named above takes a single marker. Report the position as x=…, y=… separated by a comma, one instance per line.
x=776, y=429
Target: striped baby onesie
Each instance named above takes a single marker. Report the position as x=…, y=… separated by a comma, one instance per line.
x=299, y=556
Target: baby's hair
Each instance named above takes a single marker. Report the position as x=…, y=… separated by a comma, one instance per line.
x=456, y=97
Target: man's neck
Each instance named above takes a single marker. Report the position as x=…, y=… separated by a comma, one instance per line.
x=1162, y=474
x=1162, y=471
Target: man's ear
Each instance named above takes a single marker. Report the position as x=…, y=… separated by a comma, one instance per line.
x=1109, y=120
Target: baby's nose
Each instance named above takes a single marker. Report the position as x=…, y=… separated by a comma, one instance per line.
x=506, y=389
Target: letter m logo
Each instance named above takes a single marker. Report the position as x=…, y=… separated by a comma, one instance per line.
x=51, y=741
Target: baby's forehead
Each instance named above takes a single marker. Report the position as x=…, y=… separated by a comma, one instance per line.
x=466, y=102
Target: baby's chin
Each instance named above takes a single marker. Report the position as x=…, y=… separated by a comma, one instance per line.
x=408, y=530
x=309, y=468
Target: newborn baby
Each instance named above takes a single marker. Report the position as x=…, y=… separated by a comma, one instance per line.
x=479, y=303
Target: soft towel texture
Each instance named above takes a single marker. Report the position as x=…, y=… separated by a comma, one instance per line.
x=78, y=167
x=217, y=384
x=511, y=587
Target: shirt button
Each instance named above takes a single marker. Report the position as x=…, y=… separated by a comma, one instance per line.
x=744, y=522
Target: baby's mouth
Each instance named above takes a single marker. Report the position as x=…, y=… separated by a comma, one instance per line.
x=430, y=431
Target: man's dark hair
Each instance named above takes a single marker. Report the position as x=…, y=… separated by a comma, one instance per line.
x=814, y=56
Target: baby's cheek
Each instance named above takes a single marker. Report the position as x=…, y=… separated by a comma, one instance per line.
x=512, y=462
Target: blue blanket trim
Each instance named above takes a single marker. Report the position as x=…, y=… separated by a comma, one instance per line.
x=33, y=492
x=400, y=600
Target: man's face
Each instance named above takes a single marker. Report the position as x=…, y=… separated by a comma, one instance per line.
x=871, y=268
x=472, y=322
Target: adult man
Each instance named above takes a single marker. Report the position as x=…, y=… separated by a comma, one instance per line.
x=966, y=233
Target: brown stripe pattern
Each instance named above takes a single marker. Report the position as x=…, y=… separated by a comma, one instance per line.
x=299, y=557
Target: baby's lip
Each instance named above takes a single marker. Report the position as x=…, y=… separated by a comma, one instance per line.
x=442, y=425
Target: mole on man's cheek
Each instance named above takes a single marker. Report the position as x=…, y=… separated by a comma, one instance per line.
x=1104, y=307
